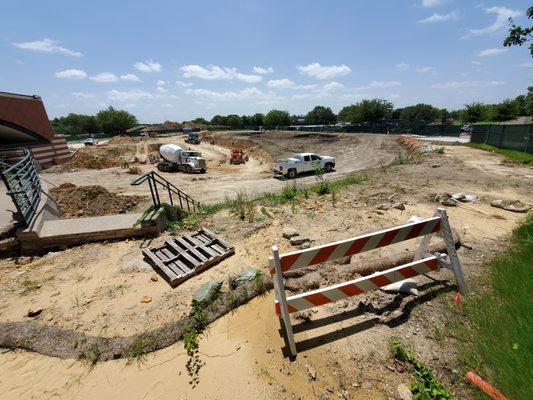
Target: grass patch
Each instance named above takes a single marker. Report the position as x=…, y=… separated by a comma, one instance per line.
x=496, y=340
x=519, y=156
x=92, y=355
x=29, y=286
x=142, y=345
x=425, y=386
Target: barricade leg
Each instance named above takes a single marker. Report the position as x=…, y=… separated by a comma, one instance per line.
x=282, y=299
x=446, y=230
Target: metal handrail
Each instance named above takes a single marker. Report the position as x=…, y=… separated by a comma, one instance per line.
x=154, y=179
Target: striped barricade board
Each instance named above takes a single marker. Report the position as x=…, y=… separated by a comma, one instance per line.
x=422, y=264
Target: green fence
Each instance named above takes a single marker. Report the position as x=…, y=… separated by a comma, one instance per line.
x=397, y=127
x=510, y=137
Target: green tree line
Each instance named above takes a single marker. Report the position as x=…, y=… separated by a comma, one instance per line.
x=110, y=121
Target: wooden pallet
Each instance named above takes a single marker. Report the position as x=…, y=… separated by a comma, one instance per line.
x=185, y=256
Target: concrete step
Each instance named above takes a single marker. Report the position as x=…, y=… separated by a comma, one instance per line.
x=57, y=233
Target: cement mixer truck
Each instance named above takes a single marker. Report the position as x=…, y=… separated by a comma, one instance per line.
x=174, y=158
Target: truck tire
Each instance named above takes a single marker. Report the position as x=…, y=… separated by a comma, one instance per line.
x=291, y=174
x=328, y=167
x=202, y=171
x=189, y=169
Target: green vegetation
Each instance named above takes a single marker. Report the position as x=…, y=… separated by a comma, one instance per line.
x=29, y=286
x=519, y=36
x=425, y=386
x=367, y=111
x=276, y=118
x=519, y=156
x=320, y=115
x=92, y=355
x=494, y=332
x=142, y=345
x=110, y=121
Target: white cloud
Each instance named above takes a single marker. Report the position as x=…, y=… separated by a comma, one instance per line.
x=432, y=3
x=183, y=84
x=130, y=78
x=147, y=66
x=104, y=77
x=161, y=89
x=71, y=74
x=48, y=46
x=453, y=16
x=128, y=95
x=281, y=84
x=383, y=84
x=528, y=64
x=324, y=72
x=490, y=52
x=249, y=94
x=333, y=86
x=160, y=83
x=476, y=62
x=464, y=84
x=261, y=70
x=406, y=67
x=83, y=95
x=502, y=19
x=215, y=72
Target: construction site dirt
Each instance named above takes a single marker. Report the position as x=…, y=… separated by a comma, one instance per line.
x=106, y=289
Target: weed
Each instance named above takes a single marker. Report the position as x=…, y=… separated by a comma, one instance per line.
x=260, y=283
x=82, y=278
x=265, y=212
x=333, y=198
x=92, y=355
x=439, y=150
x=401, y=159
x=190, y=341
x=289, y=192
x=323, y=188
x=29, y=286
x=425, y=385
x=142, y=345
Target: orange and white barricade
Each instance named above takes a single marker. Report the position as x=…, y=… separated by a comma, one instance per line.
x=423, y=262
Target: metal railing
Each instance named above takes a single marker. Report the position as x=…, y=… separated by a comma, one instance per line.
x=23, y=185
x=186, y=202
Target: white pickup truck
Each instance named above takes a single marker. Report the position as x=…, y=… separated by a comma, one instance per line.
x=303, y=162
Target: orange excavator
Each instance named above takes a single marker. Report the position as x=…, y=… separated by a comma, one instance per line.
x=237, y=156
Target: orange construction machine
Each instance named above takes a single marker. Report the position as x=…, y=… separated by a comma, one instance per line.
x=237, y=156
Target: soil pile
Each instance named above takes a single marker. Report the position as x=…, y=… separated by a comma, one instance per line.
x=91, y=201
x=99, y=158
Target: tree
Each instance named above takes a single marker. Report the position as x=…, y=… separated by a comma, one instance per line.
x=503, y=111
x=474, y=112
x=519, y=36
x=234, y=121
x=420, y=112
x=367, y=111
x=200, y=121
x=257, y=120
x=219, y=120
x=277, y=118
x=320, y=115
x=115, y=121
x=75, y=124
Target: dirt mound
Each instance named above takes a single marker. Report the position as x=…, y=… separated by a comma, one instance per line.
x=124, y=139
x=98, y=158
x=91, y=201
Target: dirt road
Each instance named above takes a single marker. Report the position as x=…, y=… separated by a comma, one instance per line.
x=353, y=152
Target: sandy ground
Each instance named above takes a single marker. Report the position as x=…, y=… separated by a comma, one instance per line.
x=96, y=288
x=353, y=153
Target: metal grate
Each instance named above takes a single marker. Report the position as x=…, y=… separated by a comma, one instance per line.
x=23, y=185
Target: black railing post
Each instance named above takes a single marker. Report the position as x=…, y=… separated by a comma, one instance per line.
x=170, y=194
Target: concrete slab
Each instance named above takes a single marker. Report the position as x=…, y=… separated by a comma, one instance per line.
x=90, y=225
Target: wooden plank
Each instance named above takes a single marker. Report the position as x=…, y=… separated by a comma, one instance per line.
x=193, y=240
x=177, y=270
x=218, y=238
x=184, y=243
x=168, y=253
x=162, y=256
x=209, y=250
x=186, y=269
x=195, y=263
x=218, y=248
x=174, y=245
x=202, y=238
x=170, y=276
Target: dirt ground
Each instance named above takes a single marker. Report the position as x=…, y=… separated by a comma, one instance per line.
x=353, y=153
x=96, y=288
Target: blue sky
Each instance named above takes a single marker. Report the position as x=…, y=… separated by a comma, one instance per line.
x=176, y=60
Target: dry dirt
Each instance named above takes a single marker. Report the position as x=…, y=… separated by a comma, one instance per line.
x=89, y=201
x=353, y=153
x=96, y=288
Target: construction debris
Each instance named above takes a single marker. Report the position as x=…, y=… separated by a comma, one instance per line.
x=207, y=292
x=445, y=199
x=289, y=232
x=465, y=198
x=511, y=205
x=297, y=240
x=185, y=256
